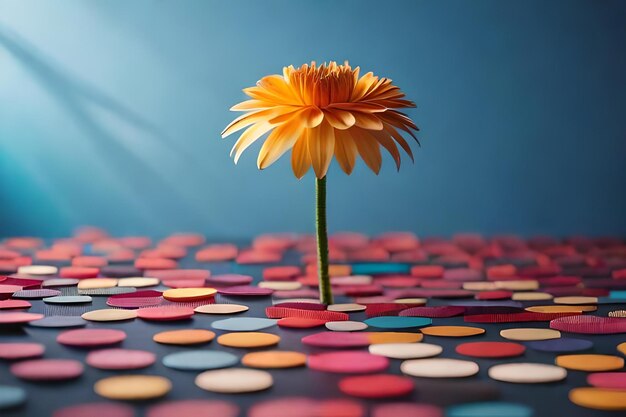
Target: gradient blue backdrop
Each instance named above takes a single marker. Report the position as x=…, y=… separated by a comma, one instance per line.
x=110, y=114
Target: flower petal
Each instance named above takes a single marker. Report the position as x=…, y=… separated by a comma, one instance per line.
x=368, y=121
x=300, y=159
x=345, y=150
x=339, y=119
x=321, y=144
x=368, y=149
x=248, y=137
x=278, y=142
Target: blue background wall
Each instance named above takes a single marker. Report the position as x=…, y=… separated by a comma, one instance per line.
x=110, y=113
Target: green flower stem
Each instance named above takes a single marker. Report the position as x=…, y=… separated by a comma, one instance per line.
x=326, y=295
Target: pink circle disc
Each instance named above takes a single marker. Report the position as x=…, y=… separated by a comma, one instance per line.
x=19, y=318
x=47, y=369
x=13, y=351
x=230, y=279
x=307, y=407
x=116, y=359
x=612, y=380
x=337, y=340
x=165, y=313
x=348, y=362
x=195, y=408
x=376, y=386
x=10, y=304
x=89, y=338
x=107, y=409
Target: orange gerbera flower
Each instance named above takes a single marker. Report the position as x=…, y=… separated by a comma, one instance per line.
x=323, y=111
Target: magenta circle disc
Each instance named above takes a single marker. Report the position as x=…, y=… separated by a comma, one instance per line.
x=137, y=299
x=230, y=279
x=107, y=409
x=195, y=408
x=116, y=359
x=165, y=313
x=611, y=380
x=245, y=290
x=91, y=337
x=589, y=324
x=13, y=351
x=47, y=369
x=337, y=340
x=433, y=312
x=19, y=318
x=350, y=362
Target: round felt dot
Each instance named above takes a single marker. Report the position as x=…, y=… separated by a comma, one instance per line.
x=68, y=299
x=189, y=294
x=184, y=337
x=491, y=349
x=138, y=282
x=96, y=283
x=348, y=362
x=490, y=409
x=376, y=386
x=11, y=304
x=525, y=334
x=248, y=339
x=397, y=322
x=60, y=282
x=195, y=408
x=117, y=359
x=346, y=308
x=37, y=270
x=575, y=300
x=11, y=396
x=200, y=360
x=590, y=363
x=527, y=373
x=599, y=398
x=452, y=331
x=243, y=324
x=47, y=369
x=96, y=409
x=230, y=279
x=439, y=368
x=12, y=318
x=221, y=309
x=33, y=294
x=531, y=296
x=274, y=359
x=59, y=322
x=346, y=326
x=91, y=337
x=394, y=337
x=406, y=409
x=622, y=348
x=281, y=285
x=165, y=313
x=110, y=314
x=300, y=323
x=14, y=351
x=133, y=387
x=560, y=309
x=406, y=350
x=563, y=344
x=234, y=381
x=246, y=291
x=612, y=380
x=78, y=272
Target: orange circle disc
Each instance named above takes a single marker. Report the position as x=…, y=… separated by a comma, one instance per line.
x=394, y=337
x=248, y=339
x=189, y=294
x=452, y=331
x=599, y=398
x=274, y=359
x=184, y=337
x=590, y=362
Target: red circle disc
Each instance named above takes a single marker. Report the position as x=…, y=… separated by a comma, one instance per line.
x=376, y=386
x=491, y=349
x=348, y=362
x=300, y=323
x=165, y=313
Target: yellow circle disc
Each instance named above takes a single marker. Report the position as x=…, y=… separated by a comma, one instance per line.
x=560, y=309
x=96, y=283
x=622, y=348
x=234, y=380
x=599, y=398
x=221, y=309
x=416, y=301
x=184, y=337
x=575, y=300
x=138, y=282
x=530, y=334
x=110, y=314
x=189, y=294
x=133, y=387
x=479, y=286
x=281, y=285
x=590, y=362
x=274, y=359
x=531, y=296
x=248, y=339
x=517, y=285
x=394, y=337
x=452, y=331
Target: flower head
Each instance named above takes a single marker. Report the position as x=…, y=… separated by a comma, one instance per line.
x=321, y=111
